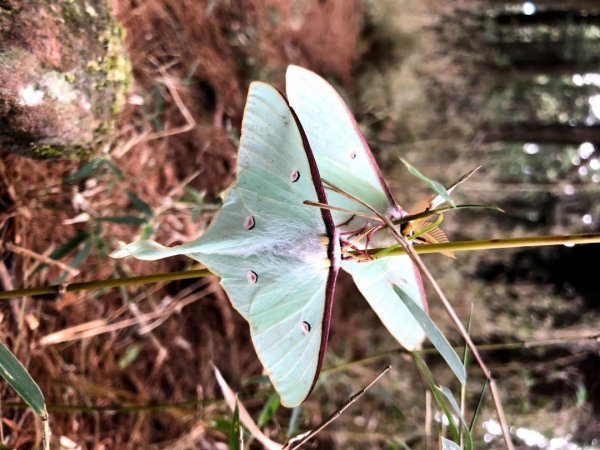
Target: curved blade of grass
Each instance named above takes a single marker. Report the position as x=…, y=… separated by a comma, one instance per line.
x=443, y=209
x=447, y=444
x=19, y=379
x=65, y=249
x=294, y=420
x=86, y=170
x=437, y=395
x=479, y=406
x=434, y=334
x=76, y=262
x=437, y=187
x=269, y=410
x=245, y=418
x=126, y=220
x=139, y=204
x=454, y=405
x=236, y=436
x=466, y=363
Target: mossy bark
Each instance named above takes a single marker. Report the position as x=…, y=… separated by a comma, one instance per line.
x=63, y=77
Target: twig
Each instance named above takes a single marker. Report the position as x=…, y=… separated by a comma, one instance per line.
x=148, y=136
x=41, y=258
x=300, y=440
x=102, y=326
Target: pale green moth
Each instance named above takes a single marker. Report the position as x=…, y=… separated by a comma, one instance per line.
x=277, y=257
x=344, y=159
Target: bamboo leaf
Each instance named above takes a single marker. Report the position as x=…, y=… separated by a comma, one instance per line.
x=139, y=204
x=434, y=334
x=447, y=444
x=76, y=262
x=437, y=395
x=269, y=410
x=437, y=187
x=454, y=405
x=65, y=248
x=294, y=420
x=19, y=379
x=235, y=436
x=86, y=170
x=126, y=220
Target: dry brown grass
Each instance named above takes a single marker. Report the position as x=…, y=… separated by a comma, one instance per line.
x=209, y=51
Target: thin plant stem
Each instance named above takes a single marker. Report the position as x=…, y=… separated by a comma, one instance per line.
x=105, y=284
x=458, y=324
x=481, y=347
x=47, y=433
x=496, y=244
x=449, y=310
x=457, y=246
x=300, y=440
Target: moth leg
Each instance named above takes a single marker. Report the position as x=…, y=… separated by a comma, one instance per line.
x=364, y=255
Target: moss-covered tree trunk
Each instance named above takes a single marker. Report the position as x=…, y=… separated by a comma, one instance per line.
x=63, y=76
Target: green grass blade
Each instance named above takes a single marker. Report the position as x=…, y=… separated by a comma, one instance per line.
x=437, y=187
x=131, y=354
x=86, y=170
x=65, y=249
x=139, y=204
x=126, y=220
x=479, y=405
x=235, y=436
x=436, y=337
x=19, y=379
x=294, y=419
x=269, y=410
x=115, y=169
x=77, y=261
x=437, y=395
x=447, y=444
x=454, y=405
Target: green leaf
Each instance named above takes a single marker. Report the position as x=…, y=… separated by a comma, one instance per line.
x=77, y=261
x=457, y=412
x=126, y=220
x=293, y=425
x=447, y=444
x=437, y=395
x=436, y=337
x=479, y=405
x=115, y=169
x=196, y=198
x=139, y=204
x=65, y=248
x=437, y=187
x=195, y=195
x=19, y=379
x=269, y=410
x=222, y=425
x=147, y=231
x=235, y=436
x=130, y=356
x=86, y=170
